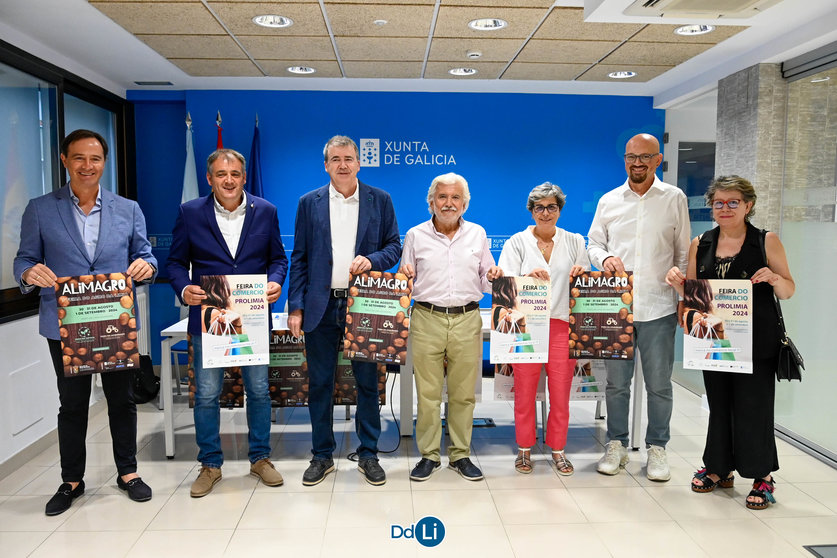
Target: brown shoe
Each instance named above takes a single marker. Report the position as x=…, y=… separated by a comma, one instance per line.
x=205, y=481
x=265, y=470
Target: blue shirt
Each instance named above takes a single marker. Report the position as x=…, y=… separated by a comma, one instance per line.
x=88, y=224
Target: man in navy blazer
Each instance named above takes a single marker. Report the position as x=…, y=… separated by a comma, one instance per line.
x=60, y=237
x=341, y=228
x=227, y=232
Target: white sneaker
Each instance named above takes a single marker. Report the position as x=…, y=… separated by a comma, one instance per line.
x=615, y=458
x=657, y=464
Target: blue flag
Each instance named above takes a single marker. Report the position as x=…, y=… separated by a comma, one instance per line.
x=254, y=166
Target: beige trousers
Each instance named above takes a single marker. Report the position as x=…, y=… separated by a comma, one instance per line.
x=434, y=335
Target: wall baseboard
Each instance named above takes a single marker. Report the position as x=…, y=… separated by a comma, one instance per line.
x=28, y=453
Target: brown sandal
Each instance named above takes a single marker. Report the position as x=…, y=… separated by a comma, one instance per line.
x=762, y=488
x=708, y=485
x=523, y=463
x=562, y=464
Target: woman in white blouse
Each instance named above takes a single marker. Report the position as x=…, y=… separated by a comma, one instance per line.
x=546, y=252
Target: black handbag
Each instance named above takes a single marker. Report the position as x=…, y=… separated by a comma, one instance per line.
x=145, y=385
x=790, y=359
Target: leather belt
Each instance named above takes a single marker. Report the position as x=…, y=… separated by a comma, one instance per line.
x=449, y=310
x=339, y=293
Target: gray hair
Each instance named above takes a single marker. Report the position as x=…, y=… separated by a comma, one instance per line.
x=733, y=183
x=545, y=190
x=227, y=154
x=449, y=178
x=340, y=141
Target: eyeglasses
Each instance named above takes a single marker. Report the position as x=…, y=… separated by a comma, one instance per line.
x=551, y=208
x=645, y=157
x=732, y=204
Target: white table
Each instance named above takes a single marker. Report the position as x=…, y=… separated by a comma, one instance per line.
x=172, y=335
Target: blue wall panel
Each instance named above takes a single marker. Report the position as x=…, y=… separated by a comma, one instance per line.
x=503, y=144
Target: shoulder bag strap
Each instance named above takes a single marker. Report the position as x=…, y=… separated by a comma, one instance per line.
x=762, y=235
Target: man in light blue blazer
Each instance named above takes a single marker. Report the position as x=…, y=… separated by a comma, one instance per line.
x=341, y=228
x=83, y=229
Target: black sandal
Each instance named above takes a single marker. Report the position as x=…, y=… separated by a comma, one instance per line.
x=708, y=484
x=762, y=488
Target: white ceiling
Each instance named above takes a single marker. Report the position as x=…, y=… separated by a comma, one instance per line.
x=75, y=35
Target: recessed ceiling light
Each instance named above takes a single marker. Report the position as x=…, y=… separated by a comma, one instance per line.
x=380, y=22
x=301, y=69
x=473, y=54
x=487, y=24
x=272, y=20
x=690, y=30
x=462, y=71
x=621, y=75
x=820, y=80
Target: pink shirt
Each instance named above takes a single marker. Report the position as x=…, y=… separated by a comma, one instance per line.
x=449, y=272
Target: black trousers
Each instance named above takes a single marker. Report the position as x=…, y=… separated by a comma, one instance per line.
x=74, y=395
x=740, y=434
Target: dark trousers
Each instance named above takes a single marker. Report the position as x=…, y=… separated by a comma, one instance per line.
x=740, y=434
x=321, y=346
x=74, y=396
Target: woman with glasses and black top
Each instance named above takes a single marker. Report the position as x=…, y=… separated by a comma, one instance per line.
x=546, y=252
x=740, y=434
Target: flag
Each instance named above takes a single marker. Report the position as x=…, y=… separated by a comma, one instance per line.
x=220, y=143
x=190, y=177
x=254, y=166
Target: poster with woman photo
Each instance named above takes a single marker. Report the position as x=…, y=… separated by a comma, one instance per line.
x=234, y=320
x=717, y=325
x=519, y=320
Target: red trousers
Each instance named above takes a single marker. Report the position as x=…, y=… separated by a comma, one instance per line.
x=559, y=378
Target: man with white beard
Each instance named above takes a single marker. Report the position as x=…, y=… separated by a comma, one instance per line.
x=450, y=262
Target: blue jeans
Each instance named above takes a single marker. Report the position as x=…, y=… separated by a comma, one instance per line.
x=321, y=346
x=655, y=341
x=208, y=410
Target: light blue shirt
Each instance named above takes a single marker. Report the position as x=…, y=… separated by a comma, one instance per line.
x=88, y=224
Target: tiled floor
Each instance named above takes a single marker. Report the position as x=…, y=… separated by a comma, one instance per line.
x=508, y=514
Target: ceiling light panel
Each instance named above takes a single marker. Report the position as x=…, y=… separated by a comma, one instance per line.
x=453, y=21
x=279, y=68
x=658, y=33
x=238, y=17
x=357, y=20
x=599, y=72
x=493, y=50
x=487, y=70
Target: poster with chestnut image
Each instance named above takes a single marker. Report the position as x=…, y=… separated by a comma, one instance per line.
x=602, y=316
x=288, y=370
x=97, y=323
x=345, y=385
x=377, y=317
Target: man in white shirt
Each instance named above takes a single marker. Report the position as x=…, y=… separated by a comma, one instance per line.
x=344, y=227
x=452, y=266
x=227, y=232
x=642, y=226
